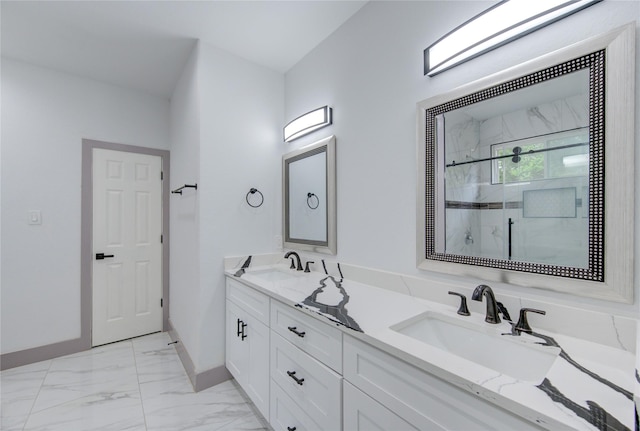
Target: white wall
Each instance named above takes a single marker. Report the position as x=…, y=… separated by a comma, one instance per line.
x=45, y=116
x=241, y=122
x=184, y=266
x=240, y=108
x=370, y=71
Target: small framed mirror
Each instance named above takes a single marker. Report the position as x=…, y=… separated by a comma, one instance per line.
x=526, y=176
x=309, y=197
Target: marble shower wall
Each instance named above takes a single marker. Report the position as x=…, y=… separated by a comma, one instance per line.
x=483, y=232
x=463, y=185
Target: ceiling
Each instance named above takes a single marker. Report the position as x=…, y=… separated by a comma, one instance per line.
x=145, y=44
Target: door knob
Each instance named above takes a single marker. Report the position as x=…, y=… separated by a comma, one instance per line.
x=100, y=256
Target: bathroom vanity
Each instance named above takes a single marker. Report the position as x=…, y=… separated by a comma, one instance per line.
x=322, y=351
x=510, y=189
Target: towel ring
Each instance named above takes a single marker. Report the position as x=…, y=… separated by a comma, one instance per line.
x=310, y=197
x=253, y=191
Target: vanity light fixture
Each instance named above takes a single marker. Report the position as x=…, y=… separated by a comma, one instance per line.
x=307, y=123
x=496, y=26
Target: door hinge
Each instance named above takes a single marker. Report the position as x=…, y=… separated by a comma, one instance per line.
x=161, y=239
x=161, y=175
x=161, y=305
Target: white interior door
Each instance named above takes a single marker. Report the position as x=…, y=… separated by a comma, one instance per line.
x=127, y=245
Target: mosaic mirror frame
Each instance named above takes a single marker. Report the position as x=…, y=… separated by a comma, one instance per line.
x=609, y=275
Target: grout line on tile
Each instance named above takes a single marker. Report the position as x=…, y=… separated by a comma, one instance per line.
x=135, y=362
x=33, y=403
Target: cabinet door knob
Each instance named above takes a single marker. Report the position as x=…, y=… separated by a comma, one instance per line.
x=295, y=331
x=291, y=428
x=292, y=374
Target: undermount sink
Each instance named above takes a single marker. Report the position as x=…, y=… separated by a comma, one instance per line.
x=519, y=359
x=273, y=274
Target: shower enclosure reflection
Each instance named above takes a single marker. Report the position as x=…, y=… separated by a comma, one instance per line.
x=516, y=171
x=523, y=150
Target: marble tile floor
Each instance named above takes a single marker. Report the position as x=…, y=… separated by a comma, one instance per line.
x=137, y=384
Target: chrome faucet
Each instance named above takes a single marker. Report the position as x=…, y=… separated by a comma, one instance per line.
x=492, y=307
x=294, y=254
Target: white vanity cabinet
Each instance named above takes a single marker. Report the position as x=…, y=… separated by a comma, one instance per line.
x=305, y=373
x=318, y=339
x=287, y=415
x=247, y=342
x=363, y=413
x=422, y=401
x=305, y=355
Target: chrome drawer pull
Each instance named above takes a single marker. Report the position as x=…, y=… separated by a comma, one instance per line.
x=292, y=374
x=293, y=329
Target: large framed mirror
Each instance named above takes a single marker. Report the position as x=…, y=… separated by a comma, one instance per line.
x=526, y=176
x=309, y=197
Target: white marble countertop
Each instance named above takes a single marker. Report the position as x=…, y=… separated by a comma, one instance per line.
x=589, y=386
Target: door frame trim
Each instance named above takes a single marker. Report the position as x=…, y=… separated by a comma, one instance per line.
x=67, y=347
x=86, y=247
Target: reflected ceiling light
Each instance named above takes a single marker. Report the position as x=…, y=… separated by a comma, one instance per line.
x=307, y=123
x=498, y=25
x=575, y=160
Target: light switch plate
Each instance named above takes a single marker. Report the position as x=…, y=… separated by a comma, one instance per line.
x=34, y=217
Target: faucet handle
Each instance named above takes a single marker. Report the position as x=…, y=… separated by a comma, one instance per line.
x=462, y=310
x=523, y=323
x=293, y=263
x=306, y=266
x=502, y=309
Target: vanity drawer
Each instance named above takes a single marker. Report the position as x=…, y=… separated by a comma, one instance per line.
x=363, y=413
x=319, y=339
x=286, y=415
x=420, y=398
x=250, y=300
x=315, y=389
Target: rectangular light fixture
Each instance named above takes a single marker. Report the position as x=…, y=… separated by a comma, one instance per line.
x=575, y=160
x=307, y=123
x=498, y=25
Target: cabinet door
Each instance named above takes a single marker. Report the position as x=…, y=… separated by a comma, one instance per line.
x=250, y=300
x=247, y=355
x=237, y=351
x=363, y=413
x=257, y=385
